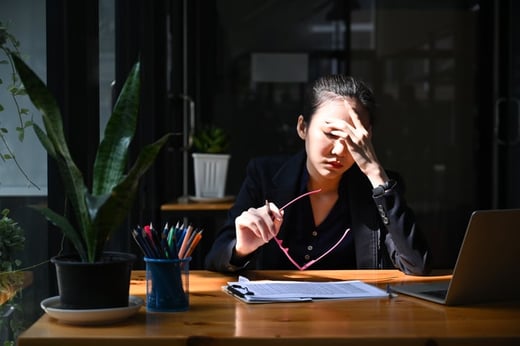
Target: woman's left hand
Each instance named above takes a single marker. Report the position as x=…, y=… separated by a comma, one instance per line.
x=359, y=143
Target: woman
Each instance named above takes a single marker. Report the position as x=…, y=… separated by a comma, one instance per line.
x=354, y=214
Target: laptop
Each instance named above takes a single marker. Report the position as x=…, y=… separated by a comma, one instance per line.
x=487, y=267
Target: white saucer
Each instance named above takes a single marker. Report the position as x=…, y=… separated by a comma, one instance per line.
x=90, y=316
x=211, y=199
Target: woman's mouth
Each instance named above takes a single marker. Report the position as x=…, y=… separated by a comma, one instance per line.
x=335, y=164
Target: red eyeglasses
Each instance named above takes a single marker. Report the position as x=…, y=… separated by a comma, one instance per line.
x=285, y=250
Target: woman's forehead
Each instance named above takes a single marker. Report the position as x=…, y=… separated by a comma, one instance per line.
x=340, y=107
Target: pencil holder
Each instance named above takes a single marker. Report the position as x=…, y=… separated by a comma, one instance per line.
x=167, y=284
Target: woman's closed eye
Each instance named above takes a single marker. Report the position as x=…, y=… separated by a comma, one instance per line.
x=333, y=134
x=330, y=135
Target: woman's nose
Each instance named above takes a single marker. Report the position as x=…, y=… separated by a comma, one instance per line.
x=339, y=147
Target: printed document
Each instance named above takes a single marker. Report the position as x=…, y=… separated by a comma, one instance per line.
x=284, y=291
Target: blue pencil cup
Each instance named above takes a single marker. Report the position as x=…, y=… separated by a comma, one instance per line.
x=167, y=284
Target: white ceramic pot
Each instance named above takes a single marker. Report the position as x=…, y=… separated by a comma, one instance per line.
x=210, y=174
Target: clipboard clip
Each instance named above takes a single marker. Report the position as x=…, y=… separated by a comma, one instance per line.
x=239, y=291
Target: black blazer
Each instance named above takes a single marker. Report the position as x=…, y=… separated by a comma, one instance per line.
x=384, y=228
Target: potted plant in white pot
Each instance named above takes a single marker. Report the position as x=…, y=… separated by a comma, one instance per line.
x=210, y=162
x=98, y=213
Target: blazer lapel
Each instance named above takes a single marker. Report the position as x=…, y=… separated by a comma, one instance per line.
x=286, y=182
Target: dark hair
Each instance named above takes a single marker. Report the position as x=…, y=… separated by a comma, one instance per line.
x=329, y=87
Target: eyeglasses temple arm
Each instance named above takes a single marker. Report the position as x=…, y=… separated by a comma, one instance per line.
x=286, y=252
x=300, y=196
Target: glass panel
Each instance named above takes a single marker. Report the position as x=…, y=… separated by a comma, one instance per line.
x=260, y=45
x=424, y=67
x=26, y=20
x=28, y=26
x=106, y=60
x=362, y=27
x=418, y=56
x=508, y=141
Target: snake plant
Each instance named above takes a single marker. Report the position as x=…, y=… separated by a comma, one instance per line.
x=100, y=212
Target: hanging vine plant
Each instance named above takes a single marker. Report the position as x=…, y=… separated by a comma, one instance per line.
x=9, y=46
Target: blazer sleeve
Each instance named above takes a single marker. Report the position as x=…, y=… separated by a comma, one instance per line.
x=219, y=257
x=405, y=242
x=251, y=194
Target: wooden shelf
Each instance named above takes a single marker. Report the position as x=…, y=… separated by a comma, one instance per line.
x=196, y=206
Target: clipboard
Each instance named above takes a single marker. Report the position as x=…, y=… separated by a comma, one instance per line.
x=300, y=291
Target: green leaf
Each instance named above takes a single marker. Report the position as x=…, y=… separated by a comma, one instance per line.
x=211, y=139
x=111, y=158
x=113, y=212
x=64, y=225
x=54, y=141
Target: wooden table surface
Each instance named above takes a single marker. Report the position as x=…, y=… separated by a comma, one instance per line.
x=215, y=318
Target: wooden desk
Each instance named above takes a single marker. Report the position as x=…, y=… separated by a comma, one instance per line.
x=215, y=318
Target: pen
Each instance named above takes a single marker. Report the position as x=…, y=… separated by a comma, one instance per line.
x=149, y=239
x=155, y=234
x=166, y=249
x=186, y=241
x=145, y=242
x=148, y=233
x=182, y=232
x=140, y=243
x=170, y=243
x=172, y=234
x=195, y=240
x=165, y=231
x=157, y=240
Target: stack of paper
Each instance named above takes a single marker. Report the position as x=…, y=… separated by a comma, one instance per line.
x=298, y=291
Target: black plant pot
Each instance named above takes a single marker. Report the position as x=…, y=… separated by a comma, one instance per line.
x=103, y=284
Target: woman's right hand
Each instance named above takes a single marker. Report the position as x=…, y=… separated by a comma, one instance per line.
x=255, y=227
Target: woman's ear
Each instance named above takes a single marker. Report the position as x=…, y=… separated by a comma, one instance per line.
x=301, y=127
